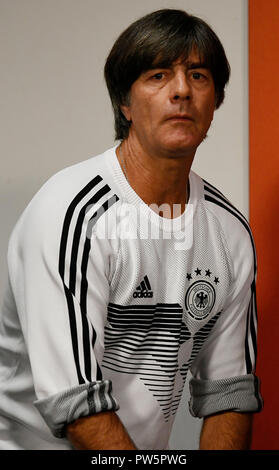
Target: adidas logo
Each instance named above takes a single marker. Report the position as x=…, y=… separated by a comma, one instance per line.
x=144, y=289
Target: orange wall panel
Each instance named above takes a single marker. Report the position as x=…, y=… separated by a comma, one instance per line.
x=264, y=205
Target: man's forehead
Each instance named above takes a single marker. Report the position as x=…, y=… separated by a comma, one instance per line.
x=192, y=60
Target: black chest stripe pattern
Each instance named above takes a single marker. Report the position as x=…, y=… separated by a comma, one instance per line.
x=200, y=338
x=68, y=268
x=151, y=342
x=214, y=196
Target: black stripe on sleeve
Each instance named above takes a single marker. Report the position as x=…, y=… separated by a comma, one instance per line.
x=239, y=217
x=213, y=187
x=84, y=284
x=251, y=331
x=73, y=328
x=67, y=221
x=250, y=325
x=77, y=234
x=247, y=351
x=64, y=270
x=94, y=337
x=62, y=260
x=219, y=195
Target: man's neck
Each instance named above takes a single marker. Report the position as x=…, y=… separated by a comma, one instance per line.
x=158, y=181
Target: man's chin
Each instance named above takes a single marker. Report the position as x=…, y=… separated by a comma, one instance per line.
x=181, y=148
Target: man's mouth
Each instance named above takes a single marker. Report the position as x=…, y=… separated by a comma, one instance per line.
x=180, y=117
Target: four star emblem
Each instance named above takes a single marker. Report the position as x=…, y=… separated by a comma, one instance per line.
x=198, y=272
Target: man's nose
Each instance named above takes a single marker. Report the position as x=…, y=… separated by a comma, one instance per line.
x=180, y=88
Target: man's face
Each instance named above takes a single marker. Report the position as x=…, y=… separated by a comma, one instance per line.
x=171, y=109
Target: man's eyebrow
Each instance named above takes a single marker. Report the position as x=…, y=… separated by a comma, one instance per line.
x=197, y=65
x=189, y=66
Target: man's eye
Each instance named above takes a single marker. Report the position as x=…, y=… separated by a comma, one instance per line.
x=158, y=76
x=198, y=76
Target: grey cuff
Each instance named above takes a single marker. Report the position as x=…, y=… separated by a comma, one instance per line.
x=235, y=394
x=63, y=408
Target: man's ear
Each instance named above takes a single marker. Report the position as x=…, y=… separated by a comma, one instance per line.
x=126, y=111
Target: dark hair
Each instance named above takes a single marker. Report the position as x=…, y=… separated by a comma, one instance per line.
x=159, y=39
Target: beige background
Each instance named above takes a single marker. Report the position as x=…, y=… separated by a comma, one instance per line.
x=55, y=110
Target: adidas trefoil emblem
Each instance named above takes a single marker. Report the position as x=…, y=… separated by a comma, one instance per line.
x=144, y=289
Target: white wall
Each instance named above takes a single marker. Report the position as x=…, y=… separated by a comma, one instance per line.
x=55, y=110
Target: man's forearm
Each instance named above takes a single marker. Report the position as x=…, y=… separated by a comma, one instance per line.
x=227, y=431
x=103, y=431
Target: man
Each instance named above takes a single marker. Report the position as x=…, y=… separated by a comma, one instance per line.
x=107, y=309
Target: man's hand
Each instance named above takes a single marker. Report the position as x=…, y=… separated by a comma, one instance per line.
x=227, y=431
x=103, y=431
